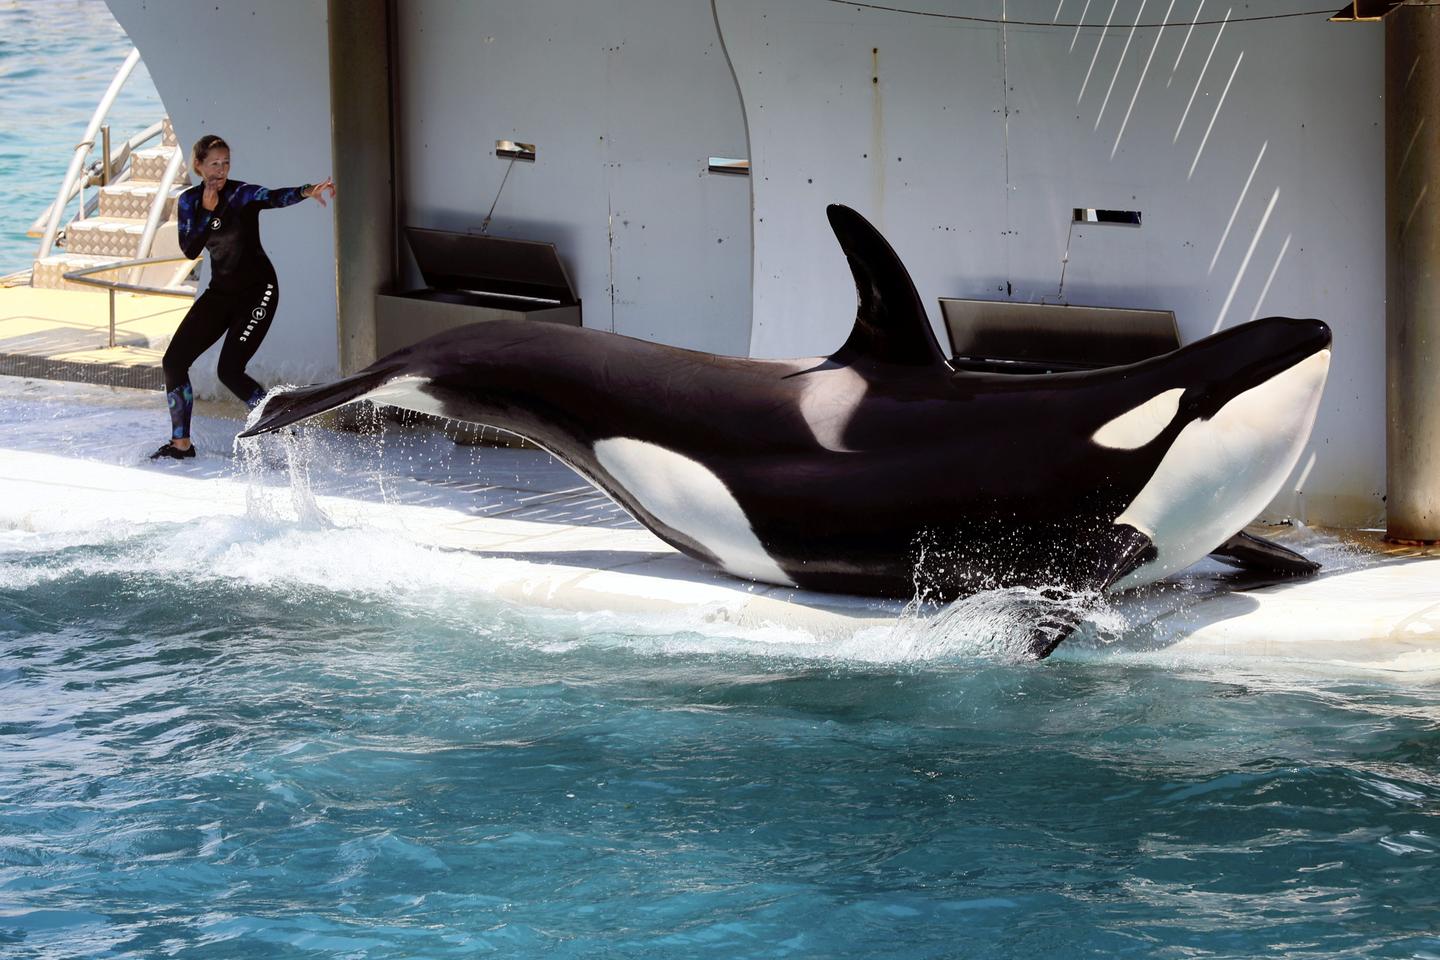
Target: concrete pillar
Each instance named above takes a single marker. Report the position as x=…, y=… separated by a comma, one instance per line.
x=1412, y=253
x=361, y=136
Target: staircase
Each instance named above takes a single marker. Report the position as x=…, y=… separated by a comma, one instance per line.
x=114, y=234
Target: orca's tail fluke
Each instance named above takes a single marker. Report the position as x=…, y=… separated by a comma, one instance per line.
x=1124, y=550
x=291, y=406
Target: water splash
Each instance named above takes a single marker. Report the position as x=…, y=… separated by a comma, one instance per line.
x=292, y=451
x=1000, y=624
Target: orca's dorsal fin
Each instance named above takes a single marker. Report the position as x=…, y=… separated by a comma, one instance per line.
x=890, y=323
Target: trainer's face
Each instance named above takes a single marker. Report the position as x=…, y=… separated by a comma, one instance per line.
x=215, y=168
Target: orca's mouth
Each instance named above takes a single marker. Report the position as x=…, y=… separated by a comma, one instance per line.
x=1250, y=355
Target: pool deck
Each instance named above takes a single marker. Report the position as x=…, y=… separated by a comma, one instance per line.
x=72, y=461
x=64, y=335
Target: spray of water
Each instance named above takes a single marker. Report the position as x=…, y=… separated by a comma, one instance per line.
x=290, y=452
x=1002, y=624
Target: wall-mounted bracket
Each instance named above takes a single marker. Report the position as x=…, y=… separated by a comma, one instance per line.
x=514, y=150
x=1365, y=11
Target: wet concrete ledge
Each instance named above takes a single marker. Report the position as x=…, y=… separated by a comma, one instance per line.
x=530, y=532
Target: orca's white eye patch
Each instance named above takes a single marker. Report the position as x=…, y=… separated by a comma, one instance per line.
x=1139, y=425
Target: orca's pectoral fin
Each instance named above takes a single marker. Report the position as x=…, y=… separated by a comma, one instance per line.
x=1265, y=557
x=1126, y=549
x=292, y=406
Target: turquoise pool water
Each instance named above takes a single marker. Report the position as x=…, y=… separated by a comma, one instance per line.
x=240, y=738
x=56, y=59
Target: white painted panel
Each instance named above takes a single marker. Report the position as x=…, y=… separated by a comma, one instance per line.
x=625, y=100
x=967, y=144
x=1000, y=144
x=257, y=74
x=681, y=235
x=1293, y=151
x=900, y=119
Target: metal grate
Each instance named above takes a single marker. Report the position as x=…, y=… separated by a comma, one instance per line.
x=137, y=376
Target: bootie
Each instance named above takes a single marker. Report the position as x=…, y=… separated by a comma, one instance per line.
x=174, y=452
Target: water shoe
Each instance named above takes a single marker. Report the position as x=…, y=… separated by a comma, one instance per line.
x=173, y=452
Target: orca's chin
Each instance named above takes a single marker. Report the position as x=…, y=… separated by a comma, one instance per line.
x=1223, y=470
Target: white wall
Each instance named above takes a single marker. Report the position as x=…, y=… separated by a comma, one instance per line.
x=969, y=145
x=625, y=101
x=257, y=74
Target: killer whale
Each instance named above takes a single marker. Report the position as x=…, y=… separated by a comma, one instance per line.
x=880, y=469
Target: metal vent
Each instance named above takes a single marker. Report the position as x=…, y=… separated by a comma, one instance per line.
x=735, y=166
x=1120, y=218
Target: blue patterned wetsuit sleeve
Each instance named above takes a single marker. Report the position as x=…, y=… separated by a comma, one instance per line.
x=194, y=224
x=265, y=198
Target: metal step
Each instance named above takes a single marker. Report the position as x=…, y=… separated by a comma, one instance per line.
x=49, y=273
x=167, y=133
x=117, y=237
x=150, y=163
x=132, y=199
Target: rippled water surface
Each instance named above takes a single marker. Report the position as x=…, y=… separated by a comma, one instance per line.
x=243, y=738
x=56, y=59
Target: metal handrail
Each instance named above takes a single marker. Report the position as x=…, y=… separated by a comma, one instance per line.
x=86, y=276
x=157, y=208
x=92, y=176
x=82, y=149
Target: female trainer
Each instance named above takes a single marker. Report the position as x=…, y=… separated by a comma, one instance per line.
x=222, y=216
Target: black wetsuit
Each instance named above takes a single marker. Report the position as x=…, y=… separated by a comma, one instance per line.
x=242, y=297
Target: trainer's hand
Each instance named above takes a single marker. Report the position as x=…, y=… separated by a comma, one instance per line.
x=318, y=191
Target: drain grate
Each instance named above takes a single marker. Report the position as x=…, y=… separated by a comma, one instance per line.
x=108, y=374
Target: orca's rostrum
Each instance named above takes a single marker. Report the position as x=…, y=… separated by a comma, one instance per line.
x=880, y=469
